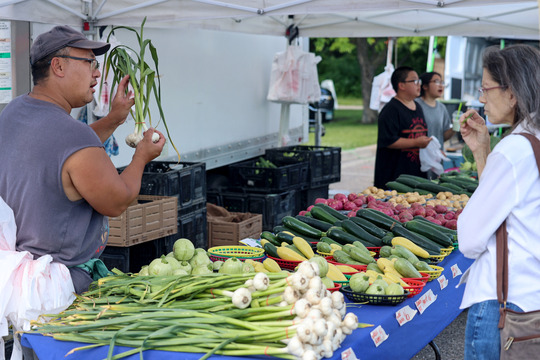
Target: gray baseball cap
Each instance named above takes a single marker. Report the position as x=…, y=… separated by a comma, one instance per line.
x=60, y=37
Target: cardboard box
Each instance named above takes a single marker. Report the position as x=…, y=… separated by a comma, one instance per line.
x=230, y=233
x=153, y=217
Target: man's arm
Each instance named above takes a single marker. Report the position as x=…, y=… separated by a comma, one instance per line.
x=121, y=104
x=405, y=143
x=90, y=174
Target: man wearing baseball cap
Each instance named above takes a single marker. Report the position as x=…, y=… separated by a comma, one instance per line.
x=56, y=176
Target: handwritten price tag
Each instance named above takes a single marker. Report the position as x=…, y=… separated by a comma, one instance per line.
x=455, y=270
x=348, y=354
x=378, y=336
x=427, y=299
x=405, y=314
x=443, y=281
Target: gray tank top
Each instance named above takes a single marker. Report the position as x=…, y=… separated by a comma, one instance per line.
x=36, y=138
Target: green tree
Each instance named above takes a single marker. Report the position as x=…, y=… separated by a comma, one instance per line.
x=353, y=62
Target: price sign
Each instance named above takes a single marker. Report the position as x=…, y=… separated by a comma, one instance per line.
x=348, y=354
x=427, y=299
x=405, y=314
x=455, y=270
x=378, y=336
x=443, y=281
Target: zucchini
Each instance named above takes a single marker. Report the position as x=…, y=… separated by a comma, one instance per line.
x=405, y=268
x=278, y=229
x=342, y=257
x=369, y=226
x=378, y=218
x=352, y=228
x=324, y=247
x=358, y=254
x=330, y=241
x=414, y=177
x=467, y=185
x=385, y=251
x=271, y=250
x=407, y=180
x=399, y=187
x=431, y=233
x=438, y=227
x=295, y=249
x=316, y=223
x=282, y=236
x=301, y=227
x=453, y=187
x=430, y=246
x=331, y=211
x=387, y=239
x=341, y=236
x=321, y=214
x=270, y=237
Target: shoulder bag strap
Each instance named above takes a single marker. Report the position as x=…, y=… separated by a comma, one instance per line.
x=502, y=245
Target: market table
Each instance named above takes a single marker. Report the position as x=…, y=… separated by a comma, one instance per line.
x=439, y=305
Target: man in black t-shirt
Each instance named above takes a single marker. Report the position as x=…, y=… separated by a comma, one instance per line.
x=402, y=130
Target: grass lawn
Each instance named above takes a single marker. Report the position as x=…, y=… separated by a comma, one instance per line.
x=347, y=132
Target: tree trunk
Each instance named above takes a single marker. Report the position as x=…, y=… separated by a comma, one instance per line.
x=369, y=60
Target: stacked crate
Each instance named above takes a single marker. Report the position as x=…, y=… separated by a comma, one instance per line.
x=186, y=184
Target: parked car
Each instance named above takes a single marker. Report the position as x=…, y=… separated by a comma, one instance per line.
x=326, y=105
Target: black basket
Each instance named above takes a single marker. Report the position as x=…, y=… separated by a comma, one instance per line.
x=373, y=299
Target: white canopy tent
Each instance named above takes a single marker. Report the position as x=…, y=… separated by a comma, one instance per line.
x=314, y=18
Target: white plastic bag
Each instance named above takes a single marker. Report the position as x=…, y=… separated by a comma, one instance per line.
x=381, y=89
x=431, y=157
x=294, y=77
x=28, y=288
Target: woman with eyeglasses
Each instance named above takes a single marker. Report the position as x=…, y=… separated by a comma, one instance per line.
x=509, y=189
x=436, y=115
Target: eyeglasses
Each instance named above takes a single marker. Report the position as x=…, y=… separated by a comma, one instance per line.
x=483, y=91
x=415, y=81
x=94, y=64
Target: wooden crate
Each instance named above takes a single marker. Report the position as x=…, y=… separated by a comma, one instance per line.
x=152, y=217
x=230, y=233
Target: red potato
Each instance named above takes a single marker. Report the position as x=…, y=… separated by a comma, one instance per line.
x=340, y=196
x=352, y=196
x=351, y=213
x=451, y=224
x=450, y=215
x=335, y=204
x=370, y=198
x=421, y=211
x=302, y=213
x=310, y=207
x=358, y=202
x=349, y=205
x=321, y=201
x=405, y=216
x=430, y=213
x=441, y=209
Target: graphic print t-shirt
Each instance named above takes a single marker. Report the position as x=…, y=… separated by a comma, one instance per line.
x=398, y=121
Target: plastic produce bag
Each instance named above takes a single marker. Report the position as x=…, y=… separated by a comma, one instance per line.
x=294, y=77
x=28, y=288
x=431, y=157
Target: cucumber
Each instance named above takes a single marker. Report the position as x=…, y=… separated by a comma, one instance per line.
x=369, y=226
x=399, y=187
x=321, y=214
x=420, y=227
x=271, y=250
x=430, y=246
x=407, y=180
x=341, y=236
x=278, y=229
x=378, y=218
x=356, y=230
x=434, y=188
x=301, y=227
x=414, y=177
x=453, y=187
x=270, y=237
x=316, y=223
x=331, y=211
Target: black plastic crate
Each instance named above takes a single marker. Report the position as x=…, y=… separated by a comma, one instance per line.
x=273, y=207
x=324, y=161
x=131, y=258
x=8, y=347
x=191, y=226
x=307, y=197
x=267, y=179
x=185, y=180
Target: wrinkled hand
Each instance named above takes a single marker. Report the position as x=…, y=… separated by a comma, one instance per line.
x=423, y=141
x=147, y=149
x=122, y=102
x=474, y=131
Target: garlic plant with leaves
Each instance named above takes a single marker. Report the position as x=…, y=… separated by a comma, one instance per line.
x=144, y=80
x=291, y=316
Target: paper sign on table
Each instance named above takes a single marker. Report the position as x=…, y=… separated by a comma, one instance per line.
x=405, y=314
x=443, y=281
x=427, y=299
x=378, y=336
x=348, y=354
x=455, y=270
